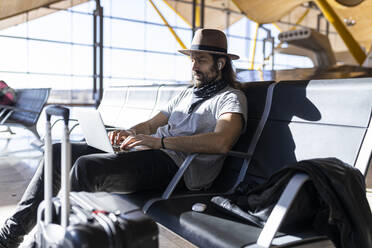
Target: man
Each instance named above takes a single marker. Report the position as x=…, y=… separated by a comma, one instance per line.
x=206, y=118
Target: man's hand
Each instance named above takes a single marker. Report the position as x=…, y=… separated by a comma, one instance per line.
x=145, y=141
x=148, y=127
x=118, y=136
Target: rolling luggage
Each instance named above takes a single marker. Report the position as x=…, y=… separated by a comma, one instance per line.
x=81, y=219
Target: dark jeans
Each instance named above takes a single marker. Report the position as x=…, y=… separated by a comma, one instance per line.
x=92, y=171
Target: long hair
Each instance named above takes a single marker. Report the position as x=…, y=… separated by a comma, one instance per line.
x=228, y=73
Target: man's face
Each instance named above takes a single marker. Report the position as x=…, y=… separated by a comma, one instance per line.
x=204, y=69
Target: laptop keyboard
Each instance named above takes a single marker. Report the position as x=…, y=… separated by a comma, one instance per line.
x=116, y=148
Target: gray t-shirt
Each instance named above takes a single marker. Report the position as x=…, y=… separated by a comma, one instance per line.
x=205, y=167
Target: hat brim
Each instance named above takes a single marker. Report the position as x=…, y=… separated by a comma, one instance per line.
x=188, y=53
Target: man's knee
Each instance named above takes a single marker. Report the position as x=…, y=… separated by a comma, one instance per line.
x=81, y=175
x=79, y=169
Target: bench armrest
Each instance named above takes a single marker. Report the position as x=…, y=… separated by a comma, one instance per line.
x=243, y=170
x=280, y=210
x=244, y=155
x=177, y=177
x=7, y=107
x=181, y=171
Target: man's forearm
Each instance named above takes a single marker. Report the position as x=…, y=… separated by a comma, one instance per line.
x=142, y=128
x=220, y=141
x=150, y=126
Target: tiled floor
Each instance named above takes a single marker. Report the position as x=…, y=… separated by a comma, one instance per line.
x=18, y=162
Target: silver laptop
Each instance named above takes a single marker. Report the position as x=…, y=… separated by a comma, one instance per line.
x=94, y=130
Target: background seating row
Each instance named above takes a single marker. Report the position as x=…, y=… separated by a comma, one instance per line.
x=27, y=109
x=129, y=105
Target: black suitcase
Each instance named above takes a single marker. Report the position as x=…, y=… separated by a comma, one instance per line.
x=80, y=219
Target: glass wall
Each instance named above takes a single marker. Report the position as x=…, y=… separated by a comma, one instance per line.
x=57, y=50
x=54, y=51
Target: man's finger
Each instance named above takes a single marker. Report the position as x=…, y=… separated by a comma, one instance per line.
x=113, y=137
x=110, y=135
x=130, y=139
x=122, y=135
x=133, y=144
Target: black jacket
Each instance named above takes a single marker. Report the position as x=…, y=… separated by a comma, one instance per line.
x=337, y=202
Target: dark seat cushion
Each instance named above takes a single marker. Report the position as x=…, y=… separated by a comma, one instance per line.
x=213, y=228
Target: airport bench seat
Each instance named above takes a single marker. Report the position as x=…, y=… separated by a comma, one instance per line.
x=308, y=119
x=115, y=99
x=26, y=110
x=305, y=119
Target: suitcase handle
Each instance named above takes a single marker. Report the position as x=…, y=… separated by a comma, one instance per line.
x=65, y=166
x=57, y=111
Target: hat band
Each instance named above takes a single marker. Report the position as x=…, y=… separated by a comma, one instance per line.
x=208, y=48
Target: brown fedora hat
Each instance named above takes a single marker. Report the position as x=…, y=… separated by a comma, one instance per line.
x=210, y=41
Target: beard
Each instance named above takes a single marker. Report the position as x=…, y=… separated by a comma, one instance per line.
x=204, y=78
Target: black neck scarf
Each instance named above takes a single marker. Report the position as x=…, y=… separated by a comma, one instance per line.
x=205, y=92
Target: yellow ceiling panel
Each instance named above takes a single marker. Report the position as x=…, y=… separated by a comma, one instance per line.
x=269, y=11
x=13, y=12
x=361, y=30
x=266, y=11
x=9, y=8
x=361, y=14
x=215, y=17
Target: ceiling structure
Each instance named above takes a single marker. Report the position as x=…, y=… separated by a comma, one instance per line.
x=356, y=19
x=13, y=12
x=281, y=12
x=214, y=12
x=270, y=11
